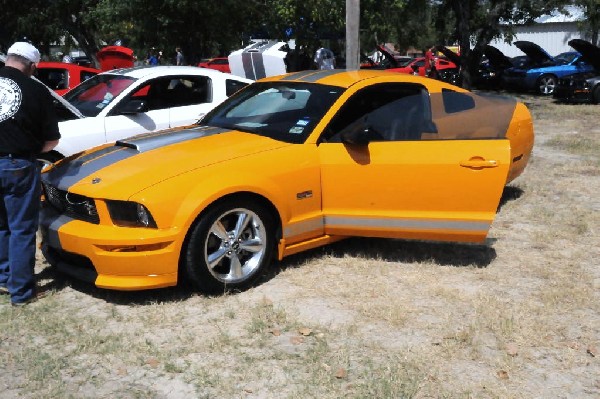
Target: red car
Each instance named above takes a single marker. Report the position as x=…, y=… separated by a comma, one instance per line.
x=419, y=65
x=220, y=64
x=62, y=77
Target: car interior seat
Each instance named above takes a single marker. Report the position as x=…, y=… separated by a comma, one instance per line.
x=410, y=121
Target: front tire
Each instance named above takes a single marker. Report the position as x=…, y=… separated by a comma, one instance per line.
x=229, y=247
x=546, y=84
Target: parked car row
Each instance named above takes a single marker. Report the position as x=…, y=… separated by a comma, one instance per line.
x=540, y=73
x=570, y=76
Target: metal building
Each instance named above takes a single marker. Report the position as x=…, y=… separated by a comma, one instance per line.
x=551, y=32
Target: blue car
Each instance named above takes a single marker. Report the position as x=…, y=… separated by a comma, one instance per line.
x=541, y=71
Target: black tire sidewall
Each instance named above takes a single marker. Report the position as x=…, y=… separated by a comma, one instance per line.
x=196, y=270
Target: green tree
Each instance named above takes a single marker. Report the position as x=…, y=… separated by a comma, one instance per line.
x=591, y=24
x=48, y=22
x=477, y=22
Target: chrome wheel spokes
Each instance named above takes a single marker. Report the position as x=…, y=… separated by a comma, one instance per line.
x=235, y=245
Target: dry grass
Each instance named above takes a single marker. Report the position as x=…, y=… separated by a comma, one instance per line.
x=364, y=318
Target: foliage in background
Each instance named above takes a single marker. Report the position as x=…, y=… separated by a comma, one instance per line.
x=591, y=24
x=479, y=22
x=204, y=29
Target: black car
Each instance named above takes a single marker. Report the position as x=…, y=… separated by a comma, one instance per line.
x=581, y=87
x=488, y=74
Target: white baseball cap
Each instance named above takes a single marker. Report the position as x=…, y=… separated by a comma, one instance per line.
x=25, y=50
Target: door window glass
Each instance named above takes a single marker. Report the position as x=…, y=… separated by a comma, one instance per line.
x=385, y=112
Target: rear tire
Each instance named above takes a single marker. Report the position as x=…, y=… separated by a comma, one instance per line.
x=229, y=247
x=546, y=85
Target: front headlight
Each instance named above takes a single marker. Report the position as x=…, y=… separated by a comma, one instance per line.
x=130, y=214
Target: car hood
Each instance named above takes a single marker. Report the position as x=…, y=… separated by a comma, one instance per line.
x=533, y=51
x=126, y=167
x=451, y=55
x=387, y=55
x=497, y=58
x=589, y=52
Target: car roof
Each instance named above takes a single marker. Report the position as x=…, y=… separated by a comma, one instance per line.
x=346, y=78
x=148, y=71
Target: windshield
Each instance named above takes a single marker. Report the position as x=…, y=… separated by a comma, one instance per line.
x=566, y=58
x=93, y=95
x=285, y=111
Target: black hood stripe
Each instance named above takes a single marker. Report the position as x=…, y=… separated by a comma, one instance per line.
x=66, y=174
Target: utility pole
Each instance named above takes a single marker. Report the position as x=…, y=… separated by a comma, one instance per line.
x=352, y=33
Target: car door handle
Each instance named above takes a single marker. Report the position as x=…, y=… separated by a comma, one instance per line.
x=478, y=163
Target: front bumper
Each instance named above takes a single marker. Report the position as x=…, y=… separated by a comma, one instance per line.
x=120, y=258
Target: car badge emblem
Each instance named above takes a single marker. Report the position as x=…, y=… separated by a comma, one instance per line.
x=96, y=180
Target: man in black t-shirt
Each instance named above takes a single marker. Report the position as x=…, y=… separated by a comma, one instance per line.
x=28, y=127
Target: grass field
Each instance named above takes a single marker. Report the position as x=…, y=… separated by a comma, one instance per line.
x=364, y=318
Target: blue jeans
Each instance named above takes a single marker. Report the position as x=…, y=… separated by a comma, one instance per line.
x=20, y=192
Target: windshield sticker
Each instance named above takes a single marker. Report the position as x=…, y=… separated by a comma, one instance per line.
x=296, y=130
x=302, y=122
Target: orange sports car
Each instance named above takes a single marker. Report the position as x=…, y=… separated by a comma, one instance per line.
x=289, y=163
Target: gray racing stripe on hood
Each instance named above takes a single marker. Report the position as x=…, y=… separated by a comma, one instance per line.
x=66, y=174
x=151, y=141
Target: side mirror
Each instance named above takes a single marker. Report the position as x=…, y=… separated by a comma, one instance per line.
x=357, y=136
x=133, y=107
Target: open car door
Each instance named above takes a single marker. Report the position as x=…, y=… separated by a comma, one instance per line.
x=397, y=162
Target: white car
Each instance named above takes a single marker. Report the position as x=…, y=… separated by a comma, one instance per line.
x=124, y=102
